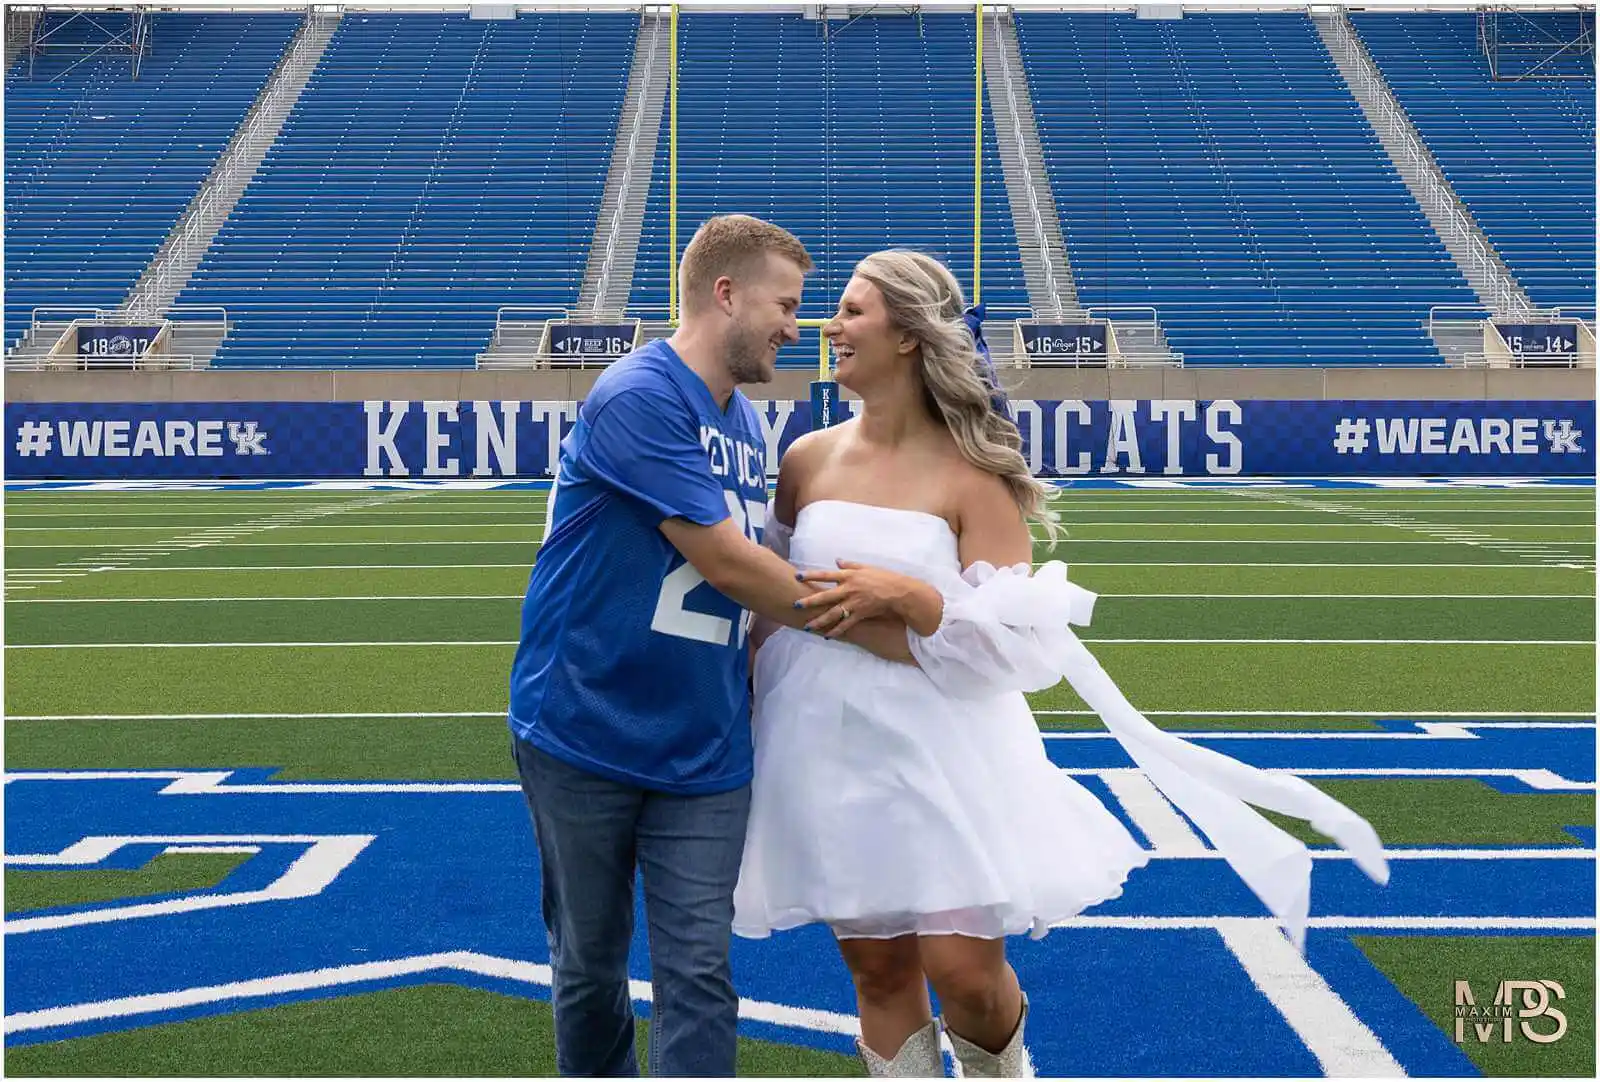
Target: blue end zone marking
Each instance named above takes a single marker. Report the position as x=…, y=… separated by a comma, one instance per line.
x=1150, y=1003
x=1410, y=1036
x=1102, y=793
x=457, y=871
x=1569, y=753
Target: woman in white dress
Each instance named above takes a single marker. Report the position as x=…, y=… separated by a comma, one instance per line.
x=909, y=804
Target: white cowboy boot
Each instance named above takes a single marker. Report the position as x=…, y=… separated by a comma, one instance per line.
x=1010, y=1062
x=919, y=1057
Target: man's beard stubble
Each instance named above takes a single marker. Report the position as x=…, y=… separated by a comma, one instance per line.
x=747, y=354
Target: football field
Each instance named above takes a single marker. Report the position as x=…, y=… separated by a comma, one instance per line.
x=261, y=817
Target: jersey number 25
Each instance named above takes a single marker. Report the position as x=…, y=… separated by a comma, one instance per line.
x=674, y=617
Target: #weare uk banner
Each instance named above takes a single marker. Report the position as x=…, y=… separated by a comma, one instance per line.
x=1067, y=438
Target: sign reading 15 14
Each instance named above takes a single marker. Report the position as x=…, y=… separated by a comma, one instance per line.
x=1539, y=337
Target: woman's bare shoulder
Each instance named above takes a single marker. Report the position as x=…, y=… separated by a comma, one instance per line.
x=980, y=499
x=805, y=458
x=812, y=447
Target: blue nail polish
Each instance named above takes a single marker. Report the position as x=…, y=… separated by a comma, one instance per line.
x=798, y=605
x=799, y=576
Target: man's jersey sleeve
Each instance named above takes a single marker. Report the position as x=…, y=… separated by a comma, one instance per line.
x=646, y=446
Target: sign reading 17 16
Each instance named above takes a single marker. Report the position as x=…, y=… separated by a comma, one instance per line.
x=608, y=340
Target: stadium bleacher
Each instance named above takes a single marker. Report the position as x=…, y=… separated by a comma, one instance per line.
x=1521, y=155
x=100, y=166
x=1217, y=168
x=436, y=168
x=856, y=144
x=1214, y=168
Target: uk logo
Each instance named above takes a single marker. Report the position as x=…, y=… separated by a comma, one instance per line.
x=247, y=438
x=1562, y=437
x=345, y=887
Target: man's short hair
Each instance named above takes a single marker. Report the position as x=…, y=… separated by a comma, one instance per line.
x=733, y=245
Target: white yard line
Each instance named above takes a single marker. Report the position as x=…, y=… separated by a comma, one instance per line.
x=1426, y=730
x=430, y=643
x=1071, y=524
x=525, y=564
x=1324, y=1022
x=318, y=597
x=257, y=717
x=1456, y=719
x=303, y=526
x=519, y=596
x=1407, y=714
x=1157, y=820
x=1587, y=643
x=1545, y=552
x=533, y=974
x=1069, y=540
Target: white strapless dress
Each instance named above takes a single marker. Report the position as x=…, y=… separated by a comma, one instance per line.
x=891, y=799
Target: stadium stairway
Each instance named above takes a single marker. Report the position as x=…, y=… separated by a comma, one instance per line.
x=1045, y=266
x=175, y=263
x=100, y=166
x=1462, y=236
x=428, y=176
x=1045, y=261
x=1520, y=154
x=18, y=26
x=608, y=279
x=1215, y=167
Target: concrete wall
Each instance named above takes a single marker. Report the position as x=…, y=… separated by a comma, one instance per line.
x=1204, y=384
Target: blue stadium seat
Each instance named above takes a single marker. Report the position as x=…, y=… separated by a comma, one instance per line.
x=439, y=167
x=1519, y=154
x=1217, y=168
x=100, y=166
x=436, y=168
x=870, y=151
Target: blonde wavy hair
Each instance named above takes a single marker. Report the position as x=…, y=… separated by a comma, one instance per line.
x=925, y=300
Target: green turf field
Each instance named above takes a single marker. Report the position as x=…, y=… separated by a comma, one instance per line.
x=368, y=635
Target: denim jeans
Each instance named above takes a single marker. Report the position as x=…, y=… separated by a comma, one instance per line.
x=592, y=832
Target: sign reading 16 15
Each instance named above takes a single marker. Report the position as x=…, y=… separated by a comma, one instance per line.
x=1064, y=339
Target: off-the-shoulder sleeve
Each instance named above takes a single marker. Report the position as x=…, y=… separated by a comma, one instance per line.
x=1002, y=630
x=1005, y=630
x=775, y=535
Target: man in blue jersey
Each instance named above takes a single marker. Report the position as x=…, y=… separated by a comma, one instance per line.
x=630, y=704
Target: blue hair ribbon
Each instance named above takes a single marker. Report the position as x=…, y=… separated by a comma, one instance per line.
x=973, y=318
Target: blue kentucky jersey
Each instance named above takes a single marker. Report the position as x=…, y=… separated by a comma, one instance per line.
x=631, y=665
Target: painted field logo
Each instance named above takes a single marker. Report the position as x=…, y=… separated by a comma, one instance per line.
x=1535, y=996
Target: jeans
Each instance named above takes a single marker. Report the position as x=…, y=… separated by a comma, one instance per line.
x=591, y=833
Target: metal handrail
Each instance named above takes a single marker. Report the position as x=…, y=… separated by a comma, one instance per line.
x=146, y=362
x=615, y=230
x=1507, y=295
x=540, y=314
x=189, y=227
x=35, y=322
x=175, y=310
x=1015, y=112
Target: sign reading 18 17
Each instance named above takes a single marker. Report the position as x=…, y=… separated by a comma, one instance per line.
x=1065, y=340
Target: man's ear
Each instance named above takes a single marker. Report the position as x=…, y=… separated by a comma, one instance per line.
x=722, y=294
